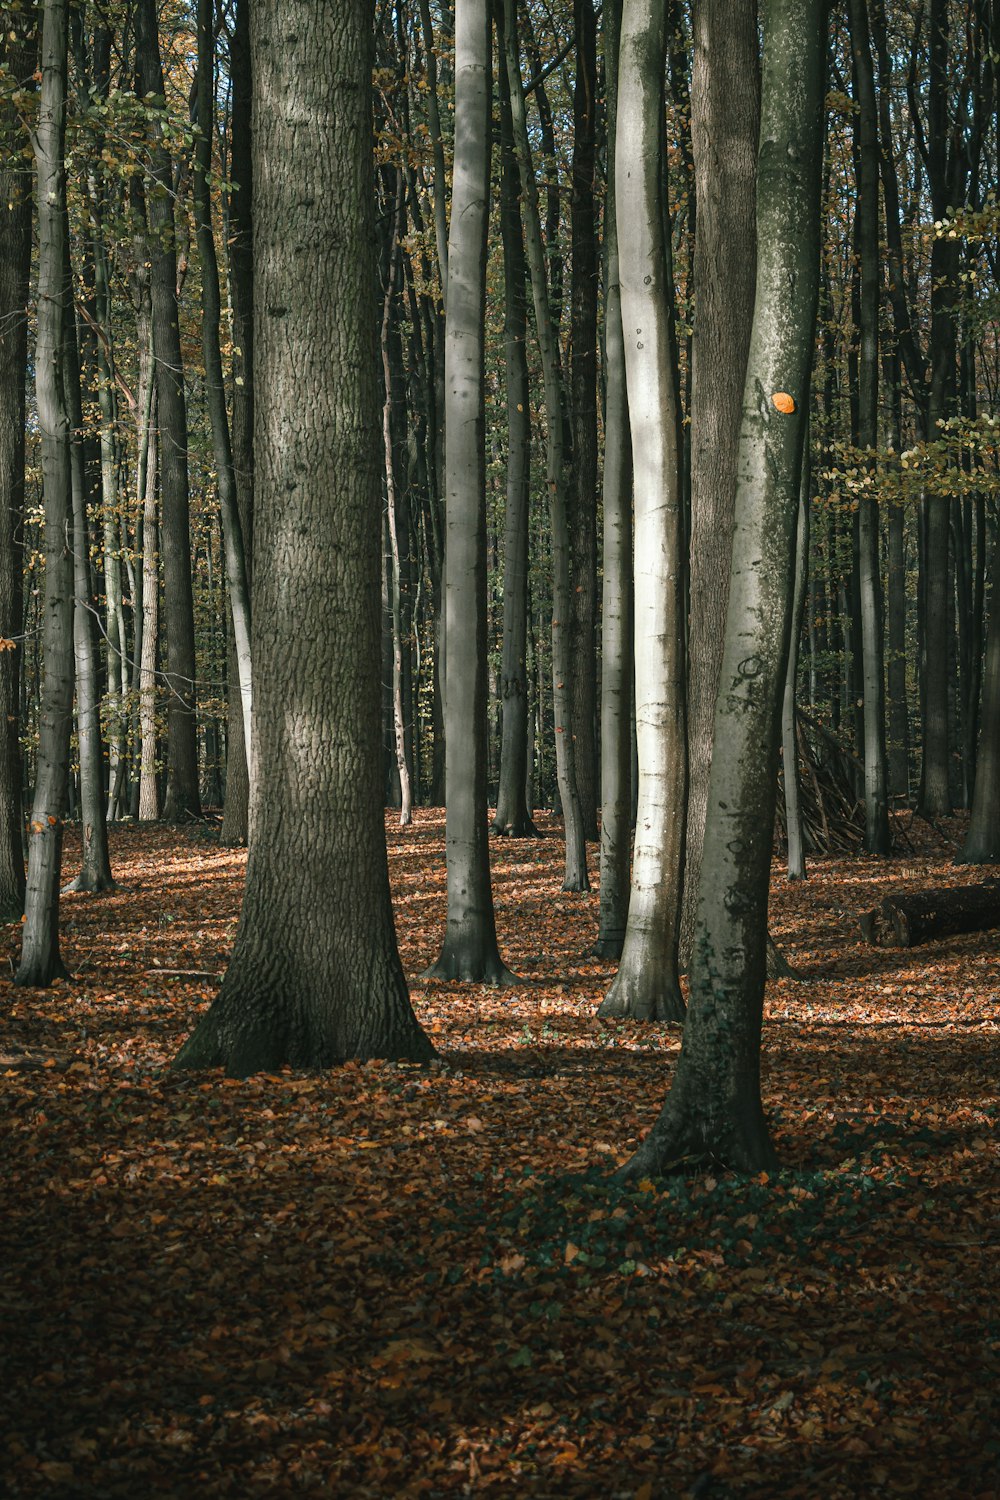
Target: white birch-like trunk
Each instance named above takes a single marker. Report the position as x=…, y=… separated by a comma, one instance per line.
x=714, y=1111
x=646, y=986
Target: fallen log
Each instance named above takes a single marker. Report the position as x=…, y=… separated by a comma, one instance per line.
x=915, y=917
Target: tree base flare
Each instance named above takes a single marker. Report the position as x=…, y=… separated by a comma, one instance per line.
x=646, y=996
x=692, y=1132
x=244, y=1037
x=466, y=964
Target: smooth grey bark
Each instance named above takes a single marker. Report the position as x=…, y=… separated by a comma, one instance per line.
x=18, y=49
x=235, y=813
x=789, y=715
x=315, y=976
x=575, y=876
x=95, y=867
x=899, y=728
x=646, y=986
x=396, y=503
x=581, y=491
x=149, y=792
x=725, y=124
x=617, y=662
x=439, y=186
x=182, y=799
x=40, y=958
x=470, y=944
x=713, y=1110
x=982, y=841
x=877, y=837
x=513, y=816
x=215, y=390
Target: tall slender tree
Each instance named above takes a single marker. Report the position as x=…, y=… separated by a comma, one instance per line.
x=315, y=975
x=182, y=798
x=713, y=1109
x=647, y=985
x=18, y=48
x=470, y=943
x=616, y=613
x=40, y=957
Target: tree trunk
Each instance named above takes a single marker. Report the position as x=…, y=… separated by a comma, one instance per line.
x=646, y=986
x=95, y=869
x=982, y=841
x=575, y=876
x=915, y=917
x=512, y=815
x=235, y=813
x=617, y=657
x=18, y=48
x=789, y=715
x=725, y=121
x=40, y=957
x=713, y=1110
x=215, y=391
x=315, y=976
x=581, y=492
x=877, y=838
x=470, y=944
x=182, y=798
x=149, y=793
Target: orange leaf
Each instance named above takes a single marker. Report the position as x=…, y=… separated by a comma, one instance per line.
x=784, y=402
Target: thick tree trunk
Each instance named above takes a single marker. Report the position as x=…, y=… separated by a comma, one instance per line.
x=575, y=876
x=916, y=917
x=470, y=945
x=617, y=657
x=315, y=976
x=512, y=814
x=40, y=958
x=646, y=986
x=182, y=798
x=17, y=55
x=725, y=122
x=713, y=1110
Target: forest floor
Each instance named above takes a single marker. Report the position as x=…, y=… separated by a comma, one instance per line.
x=385, y=1280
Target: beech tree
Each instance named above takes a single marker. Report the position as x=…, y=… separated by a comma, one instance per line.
x=315, y=975
x=41, y=961
x=470, y=944
x=713, y=1109
x=17, y=55
x=646, y=985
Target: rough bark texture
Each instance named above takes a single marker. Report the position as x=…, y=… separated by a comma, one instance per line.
x=714, y=1107
x=916, y=917
x=182, y=798
x=40, y=958
x=17, y=54
x=315, y=976
x=646, y=986
x=725, y=119
x=616, y=656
